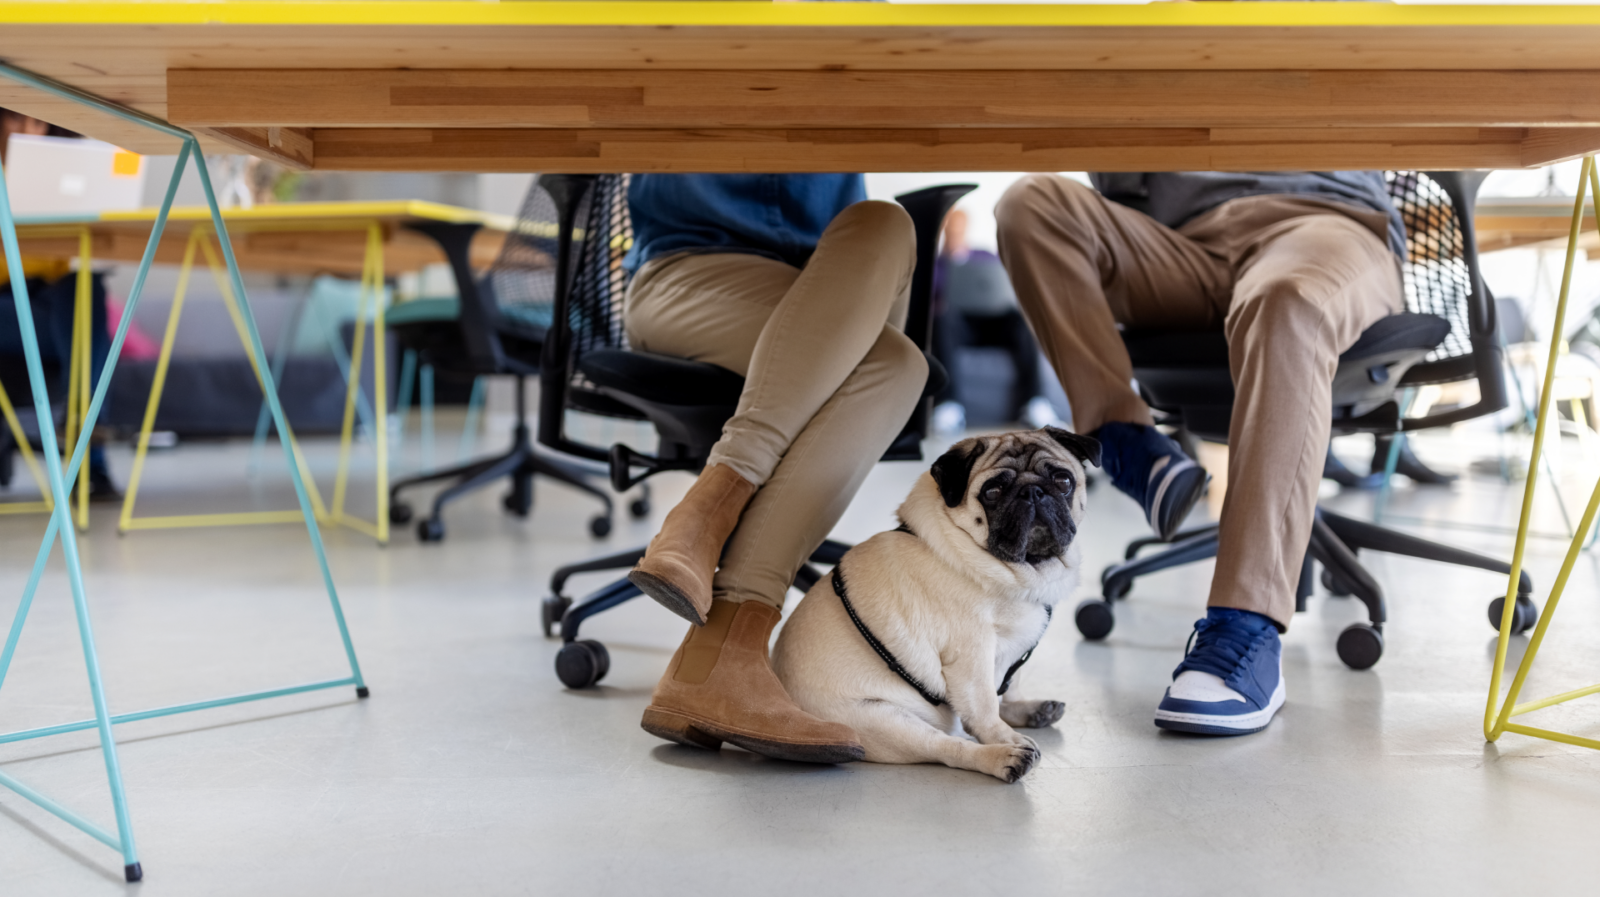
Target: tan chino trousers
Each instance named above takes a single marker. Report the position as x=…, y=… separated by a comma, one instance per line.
x=830, y=379
x=1292, y=281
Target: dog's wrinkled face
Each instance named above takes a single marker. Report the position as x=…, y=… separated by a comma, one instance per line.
x=1019, y=494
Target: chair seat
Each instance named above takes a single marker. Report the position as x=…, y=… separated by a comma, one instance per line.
x=1186, y=373
x=431, y=327
x=528, y=322
x=662, y=379
x=1190, y=349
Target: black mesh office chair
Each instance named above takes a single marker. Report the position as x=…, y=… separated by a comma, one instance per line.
x=588, y=367
x=499, y=327
x=1446, y=334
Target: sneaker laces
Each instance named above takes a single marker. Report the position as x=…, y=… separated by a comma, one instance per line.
x=1220, y=648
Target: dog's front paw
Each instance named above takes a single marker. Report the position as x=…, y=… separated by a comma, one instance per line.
x=1032, y=714
x=1009, y=762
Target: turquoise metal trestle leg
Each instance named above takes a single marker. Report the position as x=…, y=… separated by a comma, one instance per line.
x=60, y=523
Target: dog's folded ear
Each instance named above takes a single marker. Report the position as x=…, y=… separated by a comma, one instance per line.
x=1087, y=448
x=954, y=469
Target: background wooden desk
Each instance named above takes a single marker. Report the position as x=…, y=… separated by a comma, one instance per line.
x=368, y=239
x=288, y=238
x=733, y=86
x=1510, y=222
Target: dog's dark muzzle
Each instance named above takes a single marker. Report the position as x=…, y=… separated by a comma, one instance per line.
x=1032, y=526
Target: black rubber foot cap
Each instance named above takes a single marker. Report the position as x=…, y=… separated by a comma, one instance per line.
x=134, y=872
x=363, y=692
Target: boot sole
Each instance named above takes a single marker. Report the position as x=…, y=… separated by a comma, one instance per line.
x=692, y=732
x=667, y=595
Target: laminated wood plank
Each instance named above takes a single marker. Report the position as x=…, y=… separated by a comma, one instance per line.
x=959, y=149
x=222, y=98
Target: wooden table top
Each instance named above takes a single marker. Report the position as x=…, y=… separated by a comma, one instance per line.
x=737, y=86
x=289, y=238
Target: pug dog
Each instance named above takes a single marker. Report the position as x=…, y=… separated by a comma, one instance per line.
x=917, y=636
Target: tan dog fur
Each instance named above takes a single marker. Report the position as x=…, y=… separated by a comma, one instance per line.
x=955, y=615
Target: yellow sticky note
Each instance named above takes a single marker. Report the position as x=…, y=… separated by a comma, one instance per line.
x=126, y=164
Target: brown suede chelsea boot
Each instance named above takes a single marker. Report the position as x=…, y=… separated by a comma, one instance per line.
x=677, y=567
x=720, y=687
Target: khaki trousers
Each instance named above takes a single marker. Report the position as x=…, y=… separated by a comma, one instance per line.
x=829, y=378
x=1293, y=282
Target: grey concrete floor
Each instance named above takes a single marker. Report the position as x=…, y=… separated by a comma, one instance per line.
x=472, y=771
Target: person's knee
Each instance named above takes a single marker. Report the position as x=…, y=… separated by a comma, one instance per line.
x=884, y=226
x=897, y=368
x=1279, y=313
x=1035, y=198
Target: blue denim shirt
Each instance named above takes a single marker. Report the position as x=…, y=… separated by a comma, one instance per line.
x=780, y=216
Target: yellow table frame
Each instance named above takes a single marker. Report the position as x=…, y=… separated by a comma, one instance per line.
x=201, y=242
x=1497, y=714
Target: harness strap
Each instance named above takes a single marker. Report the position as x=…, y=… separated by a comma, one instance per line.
x=883, y=652
x=1005, y=684
x=894, y=664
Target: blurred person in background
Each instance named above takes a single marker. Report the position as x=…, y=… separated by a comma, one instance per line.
x=975, y=306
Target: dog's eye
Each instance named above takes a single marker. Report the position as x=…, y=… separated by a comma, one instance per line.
x=1063, y=478
x=991, y=494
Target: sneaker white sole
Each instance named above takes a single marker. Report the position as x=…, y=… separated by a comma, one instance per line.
x=1218, y=724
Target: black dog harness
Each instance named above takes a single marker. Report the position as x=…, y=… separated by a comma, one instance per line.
x=894, y=664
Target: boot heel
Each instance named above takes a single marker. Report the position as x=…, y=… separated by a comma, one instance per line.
x=680, y=729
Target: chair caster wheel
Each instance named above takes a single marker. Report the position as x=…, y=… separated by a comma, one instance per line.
x=551, y=610
x=1360, y=645
x=1522, y=619
x=513, y=503
x=639, y=507
x=399, y=512
x=1094, y=619
x=600, y=526
x=583, y=663
x=1112, y=588
x=1333, y=585
x=430, y=530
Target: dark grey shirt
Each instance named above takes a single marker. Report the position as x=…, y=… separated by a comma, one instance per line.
x=1174, y=197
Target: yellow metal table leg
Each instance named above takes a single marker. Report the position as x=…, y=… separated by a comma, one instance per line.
x=200, y=243
x=1498, y=713
x=228, y=299
x=78, y=363
x=372, y=269
x=158, y=383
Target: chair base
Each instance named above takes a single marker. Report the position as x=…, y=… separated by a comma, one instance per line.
x=519, y=464
x=583, y=662
x=1335, y=542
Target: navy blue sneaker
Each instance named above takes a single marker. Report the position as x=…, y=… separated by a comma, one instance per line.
x=1231, y=680
x=1152, y=470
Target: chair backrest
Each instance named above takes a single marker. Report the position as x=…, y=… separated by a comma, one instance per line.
x=594, y=233
x=521, y=282
x=1442, y=278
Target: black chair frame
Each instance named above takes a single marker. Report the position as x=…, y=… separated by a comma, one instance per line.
x=476, y=344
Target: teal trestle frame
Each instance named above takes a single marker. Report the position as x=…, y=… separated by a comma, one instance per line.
x=61, y=526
